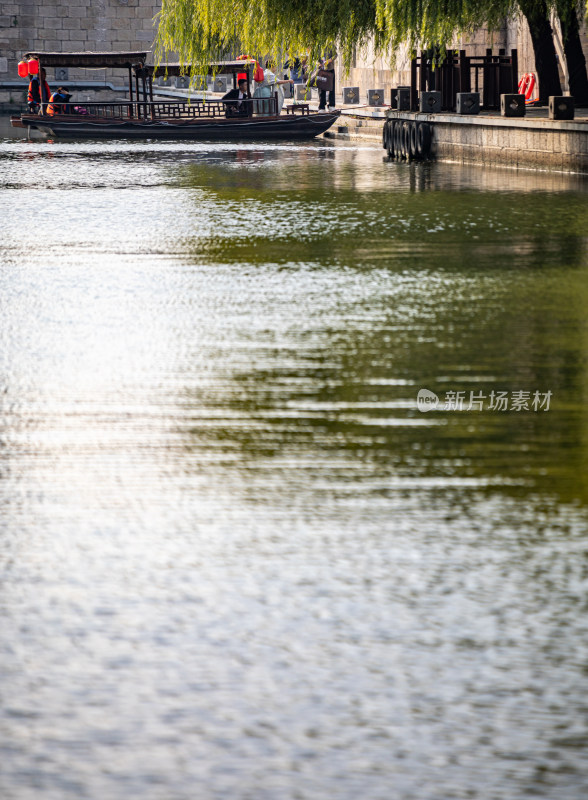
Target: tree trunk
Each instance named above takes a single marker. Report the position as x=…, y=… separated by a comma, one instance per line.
x=575, y=59
x=537, y=16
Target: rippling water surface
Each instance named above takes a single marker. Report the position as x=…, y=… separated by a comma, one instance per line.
x=237, y=560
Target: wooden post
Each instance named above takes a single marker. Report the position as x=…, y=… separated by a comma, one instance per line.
x=414, y=97
x=454, y=76
x=500, y=82
x=423, y=72
x=144, y=82
x=130, y=91
x=488, y=80
x=40, y=88
x=465, y=77
x=150, y=85
x=446, y=81
x=137, y=91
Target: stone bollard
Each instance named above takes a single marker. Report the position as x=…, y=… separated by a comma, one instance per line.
x=430, y=102
x=375, y=97
x=468, y=103
x=403, y=98
x=220, y=84
x=302, y=93
x=351, y=95
x=512, y=105
x=561, y=107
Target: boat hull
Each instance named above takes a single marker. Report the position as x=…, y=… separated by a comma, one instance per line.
x=288, y=126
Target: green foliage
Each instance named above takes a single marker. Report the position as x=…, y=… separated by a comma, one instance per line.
x=200, y=31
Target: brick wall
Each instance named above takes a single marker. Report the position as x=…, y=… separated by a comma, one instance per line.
x=76, y=25
x=369, y=72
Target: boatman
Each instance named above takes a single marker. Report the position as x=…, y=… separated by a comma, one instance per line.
x=36, y=93
x=59, y=102
x=237, y=101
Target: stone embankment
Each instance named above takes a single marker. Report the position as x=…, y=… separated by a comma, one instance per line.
x=359, y=123
x=532, y=141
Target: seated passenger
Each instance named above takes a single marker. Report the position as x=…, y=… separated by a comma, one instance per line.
x=59, y=102
x=237, y=101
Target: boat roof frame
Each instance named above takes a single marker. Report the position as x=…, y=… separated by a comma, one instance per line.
x=90, y=60
x=174, y=70
x=129, y=59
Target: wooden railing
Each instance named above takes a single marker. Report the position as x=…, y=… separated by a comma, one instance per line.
x=174, y=109
x=493, y=75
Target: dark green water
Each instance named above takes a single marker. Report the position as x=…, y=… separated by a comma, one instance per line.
x=237, y=560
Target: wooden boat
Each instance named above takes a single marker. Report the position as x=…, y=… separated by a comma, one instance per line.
x=142, y=117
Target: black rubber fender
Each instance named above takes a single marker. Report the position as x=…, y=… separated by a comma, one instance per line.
x=389, y=137
x=406, y=140
x=385, y=135
x=398, y=138
x=423, y=140
x=413, y=140
x=390, y=148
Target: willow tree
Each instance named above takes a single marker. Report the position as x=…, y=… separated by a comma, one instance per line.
x=200, y=31
x=537, y=14
x=568, y=14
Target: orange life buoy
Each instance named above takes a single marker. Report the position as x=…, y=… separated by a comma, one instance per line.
x=527, y=86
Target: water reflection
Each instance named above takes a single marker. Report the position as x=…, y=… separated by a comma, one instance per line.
x=237, y=561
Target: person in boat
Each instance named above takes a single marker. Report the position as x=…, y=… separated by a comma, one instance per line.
x=39, y=92
x=59, y=102
x=270, y=87
x=238, y=101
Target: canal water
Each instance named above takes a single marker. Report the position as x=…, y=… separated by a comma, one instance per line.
x=239, y=558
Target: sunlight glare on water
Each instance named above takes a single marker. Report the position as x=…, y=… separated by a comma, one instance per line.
x=237, y=561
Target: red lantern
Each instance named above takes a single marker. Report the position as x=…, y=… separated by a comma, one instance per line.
x=23, y=69
x=33, y=66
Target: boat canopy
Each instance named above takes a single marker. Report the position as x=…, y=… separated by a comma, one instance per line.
x=86, y=60
x=174, y=70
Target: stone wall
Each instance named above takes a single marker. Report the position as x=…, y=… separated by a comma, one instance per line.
x=561, y=146
x=527, y=142
x=369, y=72
x=76, y=25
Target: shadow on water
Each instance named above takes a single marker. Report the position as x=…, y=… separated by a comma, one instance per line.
x=448, y=286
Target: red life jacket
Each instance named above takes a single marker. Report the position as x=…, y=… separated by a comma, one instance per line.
x=34, y=95
x=57, y=105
